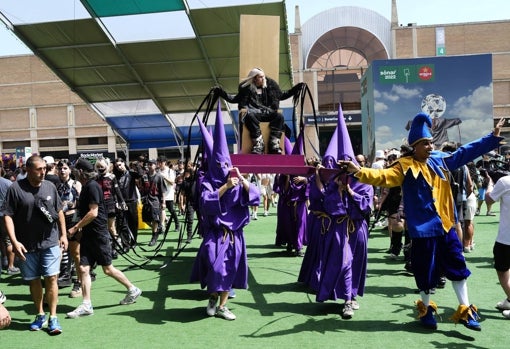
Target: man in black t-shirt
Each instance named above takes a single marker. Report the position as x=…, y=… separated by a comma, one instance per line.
x=95, y=244
x=35, y=223
x=127, y=185
x=153, y=188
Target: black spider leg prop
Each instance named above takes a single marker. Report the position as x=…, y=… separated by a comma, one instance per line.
x=210, y=101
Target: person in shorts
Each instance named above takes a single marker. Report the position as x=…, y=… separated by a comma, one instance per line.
x=36, y=227
x=95, y=244
x=501, y=192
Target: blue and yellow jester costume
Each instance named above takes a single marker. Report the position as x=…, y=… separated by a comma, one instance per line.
x=430, y=213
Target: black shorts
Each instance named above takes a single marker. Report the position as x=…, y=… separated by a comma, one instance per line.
x=501, y=256
x=71, y=220
x=96, y=249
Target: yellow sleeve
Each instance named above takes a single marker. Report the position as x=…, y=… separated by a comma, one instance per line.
x=387, y=177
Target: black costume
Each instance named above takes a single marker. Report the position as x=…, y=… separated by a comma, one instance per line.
x=261, y=106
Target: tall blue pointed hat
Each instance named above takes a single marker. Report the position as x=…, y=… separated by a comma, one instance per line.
x=420, y=129
x=220, y=162
x=345, y=151
x=287, y=145
x=298, y=146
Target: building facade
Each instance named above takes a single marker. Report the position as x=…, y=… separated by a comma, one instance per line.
x=330, y=52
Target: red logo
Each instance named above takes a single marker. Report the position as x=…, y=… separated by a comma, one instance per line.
x=425, y=73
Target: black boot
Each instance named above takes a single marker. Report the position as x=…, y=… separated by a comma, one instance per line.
x=274, y=142
x=396, y=243
x=258, y=145
x=154, y=239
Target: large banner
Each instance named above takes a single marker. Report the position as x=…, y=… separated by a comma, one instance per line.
x=456, y=91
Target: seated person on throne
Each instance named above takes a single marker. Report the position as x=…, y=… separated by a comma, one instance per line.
x=259, y=96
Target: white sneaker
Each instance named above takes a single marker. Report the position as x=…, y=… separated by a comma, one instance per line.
x=2, y=297
x=131, y=296
x=347, y=311
x=266, y=214
x=82, y=310
x=211, y=306
x=225, y=313
x=503, y=305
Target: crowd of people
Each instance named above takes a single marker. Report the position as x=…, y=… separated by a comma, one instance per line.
x=59, y=216
x=61, y=219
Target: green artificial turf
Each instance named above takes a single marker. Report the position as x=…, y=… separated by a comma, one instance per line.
x=275, y=312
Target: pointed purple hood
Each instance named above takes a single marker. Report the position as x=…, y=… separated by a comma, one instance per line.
x=219, y=163
x=331, y=154
x=287, y=145
x=298, y=146
x=345, y=151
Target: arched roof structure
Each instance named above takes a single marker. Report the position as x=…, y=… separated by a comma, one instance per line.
x=348, y=27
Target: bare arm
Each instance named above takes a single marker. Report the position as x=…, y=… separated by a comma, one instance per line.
x=62, y=230
x=488, y=198
x=17, y=247
x=89, y=217
x=5, y=317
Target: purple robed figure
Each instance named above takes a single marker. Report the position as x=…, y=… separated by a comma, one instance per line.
x=221, y=259
x=343, y=255
x=224, y=201
x=318, y=221
x=315, y=228
x=281, y=188
x=296, y=199
x=341, y=270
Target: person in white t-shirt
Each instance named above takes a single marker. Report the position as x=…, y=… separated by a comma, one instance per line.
x=266, y=190
x=378, y=163
x=168, y=173
x=501, y=192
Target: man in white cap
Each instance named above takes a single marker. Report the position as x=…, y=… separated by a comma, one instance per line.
x=260, y=96
x=380, y=159
x=430, y=213
x=51, y=170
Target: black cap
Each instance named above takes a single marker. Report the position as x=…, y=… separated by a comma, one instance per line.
x=152, y=161
x=84, y=165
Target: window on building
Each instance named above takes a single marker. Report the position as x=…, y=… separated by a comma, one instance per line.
x=51, y=143
x=92, y=141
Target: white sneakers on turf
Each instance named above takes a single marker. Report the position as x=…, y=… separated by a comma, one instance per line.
x=82, y=310
x=131, y=296
x=225, y=313
x=503, y=305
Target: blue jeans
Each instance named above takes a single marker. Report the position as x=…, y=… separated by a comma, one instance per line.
x=41, y=263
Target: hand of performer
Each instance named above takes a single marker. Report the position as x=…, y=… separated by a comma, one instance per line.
x=498, y=127
x=220, y=91
x=348, y=166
